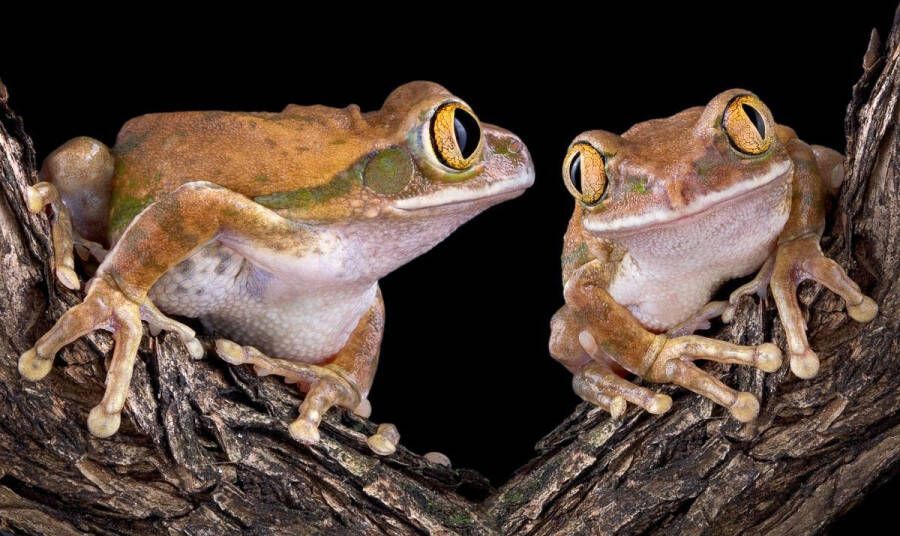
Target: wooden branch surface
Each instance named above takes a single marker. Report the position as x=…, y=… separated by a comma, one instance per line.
x=204, y=449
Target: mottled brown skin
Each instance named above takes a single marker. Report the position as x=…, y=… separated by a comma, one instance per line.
x=670, y=181
x=321, y=202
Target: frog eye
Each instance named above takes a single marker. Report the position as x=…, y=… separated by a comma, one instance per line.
x=456, y=135
x=749, y=125
x=584, y=171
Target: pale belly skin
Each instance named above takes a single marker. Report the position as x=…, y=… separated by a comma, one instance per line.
x=669, y=275
x=664, y=215
x=239, y=300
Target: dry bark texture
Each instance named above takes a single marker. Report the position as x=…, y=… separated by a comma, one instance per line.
x=204, y=450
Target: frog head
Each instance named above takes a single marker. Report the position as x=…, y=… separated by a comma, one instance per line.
x=662, y=177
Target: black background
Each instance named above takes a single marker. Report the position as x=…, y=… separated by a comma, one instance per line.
x=464, y=367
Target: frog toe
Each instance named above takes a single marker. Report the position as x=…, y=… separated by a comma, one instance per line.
x=384, y=441
x=864, y=311
x=745, y=407
x=364, y=409
x=68, y=277
x=304, y=431
x=805, y=364
x=33, y=367
x=102, y=423
x=158, y=322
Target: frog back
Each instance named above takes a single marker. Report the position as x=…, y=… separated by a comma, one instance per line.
x=250, y=153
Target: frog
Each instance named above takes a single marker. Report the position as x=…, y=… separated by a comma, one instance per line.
x=271, y=228
x=667, y=213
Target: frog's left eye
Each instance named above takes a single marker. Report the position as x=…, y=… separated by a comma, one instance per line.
x=456, y=135
x=584, y=170
x=749, y=125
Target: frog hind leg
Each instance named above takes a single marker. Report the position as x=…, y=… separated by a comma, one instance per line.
x=799, y=257
x=160, y=237
x=343, y=381
x=75, y=181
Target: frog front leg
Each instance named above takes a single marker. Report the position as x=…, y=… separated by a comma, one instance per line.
x=164, y=234
x=593, y=331
x=343, y=381
x=799, y=257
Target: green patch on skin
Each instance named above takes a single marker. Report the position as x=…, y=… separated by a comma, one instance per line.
x=389, y=171
x=128, y=144
x=340, y=185
x=125, y=208
x=581, y=255
x=261, y=178
x=639, y=185
x=338, y=142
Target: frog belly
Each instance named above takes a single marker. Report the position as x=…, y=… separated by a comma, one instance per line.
x=671, y=271
x=239, y=300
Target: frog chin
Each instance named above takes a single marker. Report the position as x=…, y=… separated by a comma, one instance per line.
x=663, y=217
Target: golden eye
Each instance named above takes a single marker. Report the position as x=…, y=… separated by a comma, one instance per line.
x=584, y=171
x=456, y=135
x=749, y=125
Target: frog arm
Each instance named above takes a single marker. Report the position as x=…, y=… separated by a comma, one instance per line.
x=592, y=331
x=161, y=236
x=799, y=257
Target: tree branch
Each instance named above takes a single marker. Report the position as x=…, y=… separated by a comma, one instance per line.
x=204, y=447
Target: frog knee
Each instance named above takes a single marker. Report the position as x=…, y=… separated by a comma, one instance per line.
x=831, y=165
x=563, y=343
x=82, y=171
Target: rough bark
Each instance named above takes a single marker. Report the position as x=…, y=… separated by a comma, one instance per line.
x=203, y=449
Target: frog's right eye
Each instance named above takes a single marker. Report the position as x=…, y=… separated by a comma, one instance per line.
x=456, y=136
x=584, y=171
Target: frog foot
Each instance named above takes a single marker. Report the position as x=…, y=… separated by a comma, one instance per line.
x=104, y=307
x=327, y=387
x=157, y=322
x=671, y=361
x=39, y=196
x=759, y=285
x=800, y=259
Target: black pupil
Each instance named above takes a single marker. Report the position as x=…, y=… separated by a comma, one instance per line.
x=575, y=172
x=757, y=119
x=467, y=133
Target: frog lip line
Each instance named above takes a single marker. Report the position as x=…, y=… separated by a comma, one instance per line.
x=455, y=196
x=662, y=217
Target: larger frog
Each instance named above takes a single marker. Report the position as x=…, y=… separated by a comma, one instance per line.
x=272, y=228
x=667, y=212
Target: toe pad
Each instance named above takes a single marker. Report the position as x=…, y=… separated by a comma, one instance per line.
x=34, y=368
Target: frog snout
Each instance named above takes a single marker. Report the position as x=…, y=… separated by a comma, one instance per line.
x=506, y=157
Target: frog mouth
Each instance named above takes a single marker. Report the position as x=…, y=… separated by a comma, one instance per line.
x=659, y=217
x=448, y=197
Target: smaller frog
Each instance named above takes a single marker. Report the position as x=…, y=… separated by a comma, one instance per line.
x=272, y=228
x=666, y=213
